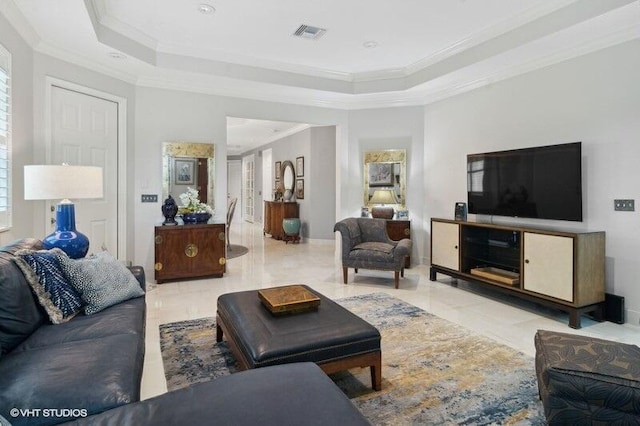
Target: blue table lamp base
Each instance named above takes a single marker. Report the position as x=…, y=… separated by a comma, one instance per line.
x=74, y=243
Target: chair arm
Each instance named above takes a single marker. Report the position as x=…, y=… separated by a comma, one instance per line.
x=347, y=242
x=403, y=248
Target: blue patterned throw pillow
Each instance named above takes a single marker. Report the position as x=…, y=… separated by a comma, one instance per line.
x=101, y=280
x=42, y=271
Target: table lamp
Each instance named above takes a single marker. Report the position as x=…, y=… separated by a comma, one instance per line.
x=383, y=196
x=52, y=182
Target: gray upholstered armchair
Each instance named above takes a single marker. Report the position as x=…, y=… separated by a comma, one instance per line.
x=366, y=245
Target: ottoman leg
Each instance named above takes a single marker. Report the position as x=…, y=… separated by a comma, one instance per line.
x=219, y=333
x=345, y=273
x=376, y=373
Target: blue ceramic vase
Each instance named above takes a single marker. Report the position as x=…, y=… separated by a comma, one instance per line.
x=196, y=217
x=291, y=226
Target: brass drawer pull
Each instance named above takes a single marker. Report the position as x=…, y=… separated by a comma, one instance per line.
x=158, y=239
x=191, y=250
x=158, y=266
x=222, y=261
x=222, y=236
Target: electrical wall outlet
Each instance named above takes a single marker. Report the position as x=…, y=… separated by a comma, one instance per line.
x=149, y=198
x=624, y=205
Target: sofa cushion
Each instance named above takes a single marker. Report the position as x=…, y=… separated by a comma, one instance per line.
x=20, y=312
x=101, y=280
x=96, y=375
x=282, y=395
x=41, y=268
x=124, y=318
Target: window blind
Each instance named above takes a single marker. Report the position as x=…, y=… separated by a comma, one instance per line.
x=5, y=139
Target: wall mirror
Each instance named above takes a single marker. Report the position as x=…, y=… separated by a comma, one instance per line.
x=288, y=179
x=188, y=165
x=386, y=170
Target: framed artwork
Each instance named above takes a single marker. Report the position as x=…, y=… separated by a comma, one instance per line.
x=184, y=170
x=300, y=189
x=278, y=170
x=380, y=174
x=299, y=166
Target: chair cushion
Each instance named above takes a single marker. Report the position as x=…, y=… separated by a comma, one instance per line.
x=373, y=229
x=375, y=246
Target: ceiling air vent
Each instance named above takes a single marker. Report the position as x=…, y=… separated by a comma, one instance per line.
x=309, y=32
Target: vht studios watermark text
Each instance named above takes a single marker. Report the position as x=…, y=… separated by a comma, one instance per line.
x=48, y=412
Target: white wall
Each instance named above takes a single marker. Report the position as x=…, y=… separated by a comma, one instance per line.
x=22, y=128
x=389, y=128
x=594, y=99
x=166, y=115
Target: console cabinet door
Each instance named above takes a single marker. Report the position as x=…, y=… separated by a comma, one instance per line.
x=548, y=265
x=445, y=240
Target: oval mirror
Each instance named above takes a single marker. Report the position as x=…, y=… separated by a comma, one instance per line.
x=288, y=179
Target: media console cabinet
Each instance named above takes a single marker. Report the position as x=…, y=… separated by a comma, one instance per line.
x=564, y=270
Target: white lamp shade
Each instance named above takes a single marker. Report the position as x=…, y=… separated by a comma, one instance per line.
x=52, y=182
x=383, y=196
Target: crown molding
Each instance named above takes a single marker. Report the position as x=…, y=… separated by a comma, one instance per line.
x=609, y=29
x=19, y=22
x=535, y=23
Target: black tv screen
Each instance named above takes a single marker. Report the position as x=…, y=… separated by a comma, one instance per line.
x=542, y=182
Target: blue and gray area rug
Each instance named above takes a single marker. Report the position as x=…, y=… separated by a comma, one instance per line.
x=433, y=371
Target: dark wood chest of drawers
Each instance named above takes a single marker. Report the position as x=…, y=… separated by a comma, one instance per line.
x=189, y=251
x=274, y=212
x=397, y=230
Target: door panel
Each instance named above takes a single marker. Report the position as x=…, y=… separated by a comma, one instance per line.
x=444, y=245
x=84, y=131
x=548, y=265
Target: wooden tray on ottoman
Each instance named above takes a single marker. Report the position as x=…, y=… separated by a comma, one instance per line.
x=290, y=299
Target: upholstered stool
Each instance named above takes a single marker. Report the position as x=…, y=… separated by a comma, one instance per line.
x=332, y=337
x=584, y=380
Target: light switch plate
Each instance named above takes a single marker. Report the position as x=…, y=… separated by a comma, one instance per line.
x=149, y=198
x=624, y=205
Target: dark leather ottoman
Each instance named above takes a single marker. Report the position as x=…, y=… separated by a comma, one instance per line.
x=585, y=380
x=331, y=337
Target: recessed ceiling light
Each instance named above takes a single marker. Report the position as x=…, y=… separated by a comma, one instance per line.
x=370, y=44
x=117, y=55
x=206, y=9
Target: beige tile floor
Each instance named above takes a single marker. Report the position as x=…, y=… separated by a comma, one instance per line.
x=270, y=263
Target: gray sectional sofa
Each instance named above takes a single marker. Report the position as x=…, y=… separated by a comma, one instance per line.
x=89, y=364
x=87, y=369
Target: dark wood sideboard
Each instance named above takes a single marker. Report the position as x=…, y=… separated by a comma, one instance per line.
x=189, y=251
x=274, y=212
x=397, y=230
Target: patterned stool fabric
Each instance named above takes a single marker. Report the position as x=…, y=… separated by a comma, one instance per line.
x=584, y=380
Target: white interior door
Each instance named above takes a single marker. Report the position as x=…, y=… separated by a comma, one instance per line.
x=248, y=186
x=267, y=175
x=84, y=131
x=234, y=185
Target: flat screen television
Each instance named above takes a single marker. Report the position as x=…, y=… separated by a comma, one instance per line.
x=543, y=182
